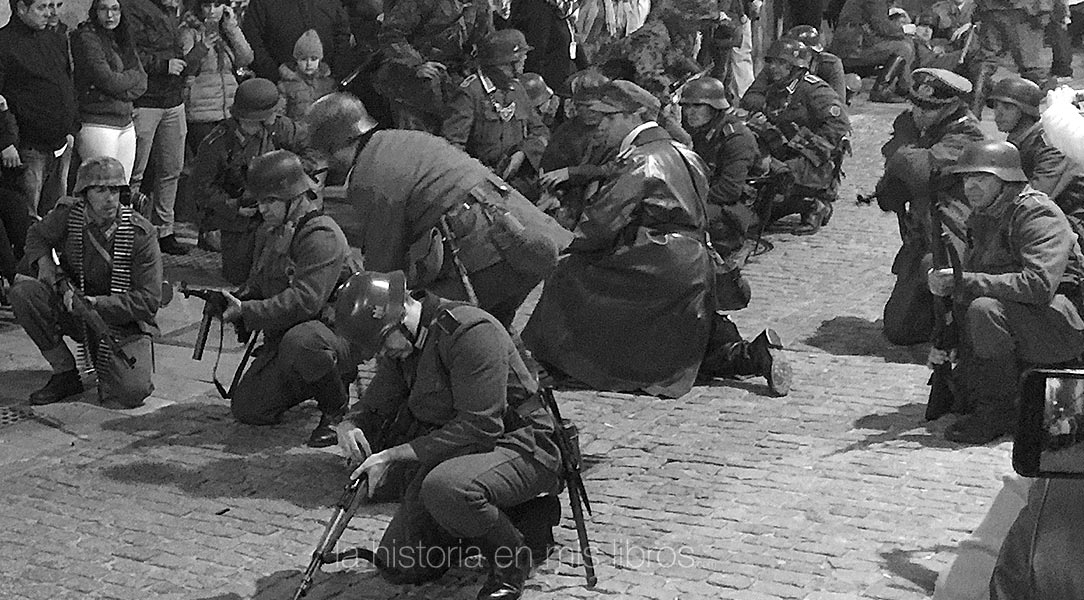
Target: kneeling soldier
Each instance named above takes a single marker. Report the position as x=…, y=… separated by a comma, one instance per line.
x=110, y=253
x=287, y=296
x=1020, y=289
x=450, y=379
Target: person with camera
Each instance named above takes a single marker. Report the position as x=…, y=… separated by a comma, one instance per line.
x=219, y=174
x=429, y=209
x=209, y=93
x=109, y=252
x=288, y=297
x=1019, y=289
x=108, y=77
x=455, y=414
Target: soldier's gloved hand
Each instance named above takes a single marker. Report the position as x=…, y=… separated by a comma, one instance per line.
x=353, y=444
x=940, y=281
x=938, y=356
x=431, y=70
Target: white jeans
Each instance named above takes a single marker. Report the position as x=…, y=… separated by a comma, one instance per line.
x=106, y=140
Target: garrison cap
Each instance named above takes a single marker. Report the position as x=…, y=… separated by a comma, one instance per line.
x=622, y=96
x=937, y=87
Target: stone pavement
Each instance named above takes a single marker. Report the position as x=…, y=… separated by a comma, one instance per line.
x=839, y=490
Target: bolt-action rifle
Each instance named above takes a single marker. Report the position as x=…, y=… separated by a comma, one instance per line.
x=77, y=303
x=946, y=333
x=355, y=493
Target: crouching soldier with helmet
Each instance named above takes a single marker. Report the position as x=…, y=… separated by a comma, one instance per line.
x=1019, y=289
x=452, y=401
x=110, y=253
x=801, y=121
x=287, y=295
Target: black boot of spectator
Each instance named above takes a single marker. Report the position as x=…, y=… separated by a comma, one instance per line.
x=170, y=245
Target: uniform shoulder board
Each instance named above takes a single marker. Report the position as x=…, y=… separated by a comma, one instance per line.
x=447, y=321
x=811, y=78
x=469, y=80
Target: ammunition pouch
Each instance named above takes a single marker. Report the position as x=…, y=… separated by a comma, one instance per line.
x=815, y=148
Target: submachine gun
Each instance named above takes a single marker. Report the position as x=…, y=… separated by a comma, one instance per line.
x=946, y=334
x=214, y=304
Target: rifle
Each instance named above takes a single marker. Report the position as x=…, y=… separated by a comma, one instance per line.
x=567, y=437
x=453, y=243
x=76, y=302
x=355, y=492
x=215, y=304
x=946, y=333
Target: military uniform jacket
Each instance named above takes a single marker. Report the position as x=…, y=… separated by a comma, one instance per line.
x=1048, y=170
x=297, y=270
x=139, y=304
x=416, y=31
x=491, y=124
x=729, y=149
x=1021, y=249
x=222, y=164
x=806, y=101
x=829, y=67
x=403, y=181
x=463, y=375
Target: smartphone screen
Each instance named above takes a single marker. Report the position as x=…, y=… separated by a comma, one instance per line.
x=1050, y=434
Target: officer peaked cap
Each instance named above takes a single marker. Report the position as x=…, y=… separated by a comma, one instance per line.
x=935, y=87
x=622, y=96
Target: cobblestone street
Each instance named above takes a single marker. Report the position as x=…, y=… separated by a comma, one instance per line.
x=840, y=490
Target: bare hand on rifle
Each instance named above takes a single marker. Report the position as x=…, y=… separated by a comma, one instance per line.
x=940, y=281
x=353, y=444
x=233, y=308
x=376, y=465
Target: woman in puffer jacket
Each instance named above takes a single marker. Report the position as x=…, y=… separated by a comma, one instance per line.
x=209, y=93
x=108, y=77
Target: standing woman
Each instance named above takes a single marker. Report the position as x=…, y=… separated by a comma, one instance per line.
x=209, y=91
x=108, y=77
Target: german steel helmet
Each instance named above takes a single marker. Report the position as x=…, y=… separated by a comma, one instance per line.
x=808, y=35
x=336, y=119
x=367, y=306
x=705, y=90
x=255, y=99
x=997, y=158
x=790, y=51
x=502, y=47
x=104, y=171
x=277, y=174
x=1019, y=91
x=537, y=89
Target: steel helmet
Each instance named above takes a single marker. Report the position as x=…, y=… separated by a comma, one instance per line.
x=705, y=90
x=1019, y=91
x=792, y=52
x=277, y=174
x=103, y=171
x=367, y=306
x=808, y=35
x=502, y=47
x=536, y=88
x=1000, y=159
x=335, y=120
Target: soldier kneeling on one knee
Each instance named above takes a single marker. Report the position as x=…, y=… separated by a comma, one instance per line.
x=454, y=413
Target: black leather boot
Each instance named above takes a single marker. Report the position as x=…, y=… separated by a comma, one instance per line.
x=535, y=519
x=813, y=219
x=994, y=388
x=333, y=398
x=509, y=561
x=59, y=387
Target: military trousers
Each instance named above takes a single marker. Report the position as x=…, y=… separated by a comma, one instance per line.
x=882, y=53
x=1038, y=335
x=288, y=371
x=1016, y=33
x=449, y=504
x=39, y=311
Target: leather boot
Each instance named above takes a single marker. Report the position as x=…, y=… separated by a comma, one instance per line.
x=994, y=388
x=884, y=88
x=59, y=387
x=509, y=561
x=535, y=519
x=332, y=397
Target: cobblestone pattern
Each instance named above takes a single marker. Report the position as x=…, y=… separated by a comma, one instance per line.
x=838, y=491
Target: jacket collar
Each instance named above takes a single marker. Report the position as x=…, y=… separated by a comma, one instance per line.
x=1009, y=193
x=640, y=135
x=1023, y=132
